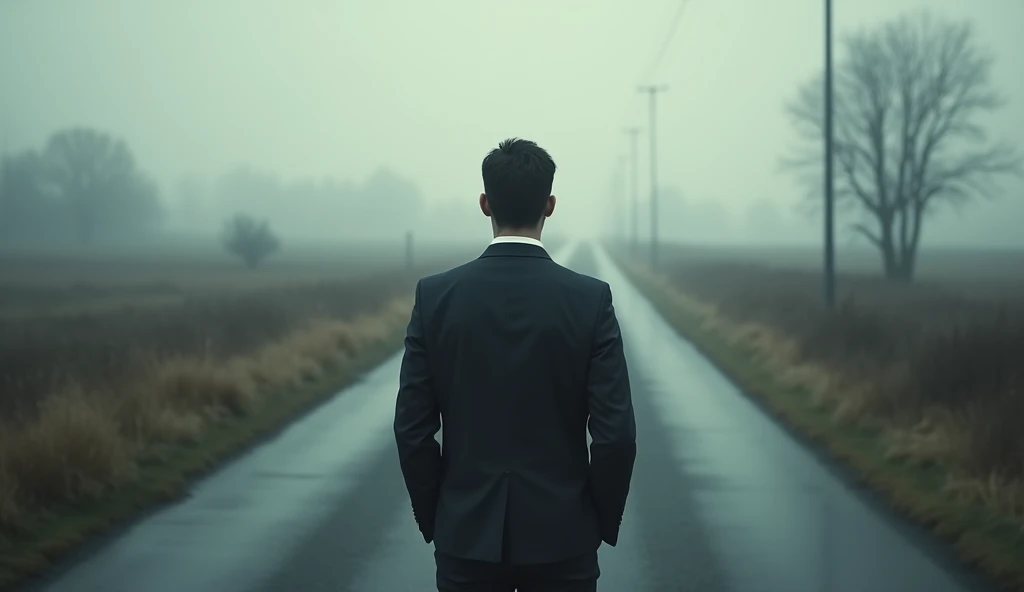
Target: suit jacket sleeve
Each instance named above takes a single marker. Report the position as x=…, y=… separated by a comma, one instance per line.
x=612, y=424
x=417, y=421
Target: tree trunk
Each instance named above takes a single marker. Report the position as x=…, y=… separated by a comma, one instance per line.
x=887, y=245
x=910, y=239
x=903, y=272
x=889, y=262
x=907, y=263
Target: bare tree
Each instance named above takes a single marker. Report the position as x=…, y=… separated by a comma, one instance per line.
x=906, y=137
x=97, y=177
x=249, y=239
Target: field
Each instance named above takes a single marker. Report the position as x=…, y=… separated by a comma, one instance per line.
x=102, y=280
x=117, y=364
x=88, y=319
x=985, y=274
x=950, y=342
x=917, y=386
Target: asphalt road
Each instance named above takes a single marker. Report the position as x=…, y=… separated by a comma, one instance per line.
x=723, y=500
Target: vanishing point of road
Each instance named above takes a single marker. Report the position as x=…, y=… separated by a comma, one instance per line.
x=723, y=499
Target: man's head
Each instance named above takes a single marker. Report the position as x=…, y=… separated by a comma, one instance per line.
x=518, y=175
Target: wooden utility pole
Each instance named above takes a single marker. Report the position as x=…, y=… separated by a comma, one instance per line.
x=652, y=91
x=829, y=287
x=634, y=208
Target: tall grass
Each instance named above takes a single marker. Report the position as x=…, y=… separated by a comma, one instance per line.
x=942, y=374
x=81, y=443
x=916, y=391
x=39, y=355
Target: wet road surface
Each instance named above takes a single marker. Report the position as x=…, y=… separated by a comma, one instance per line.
x=722, y=500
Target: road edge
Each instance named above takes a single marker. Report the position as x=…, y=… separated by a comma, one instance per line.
x=70, y=531
x=979, y=538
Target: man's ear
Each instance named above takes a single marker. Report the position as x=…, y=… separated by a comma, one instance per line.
x=550, y=208
x=484, y=206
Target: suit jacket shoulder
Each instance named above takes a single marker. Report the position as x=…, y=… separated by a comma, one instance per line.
x=447, y=276
x=585, y=281
x=584, y=285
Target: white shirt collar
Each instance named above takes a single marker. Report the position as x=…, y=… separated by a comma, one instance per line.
x=517, y=239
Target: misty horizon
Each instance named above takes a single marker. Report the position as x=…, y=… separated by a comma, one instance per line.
x=312, y=95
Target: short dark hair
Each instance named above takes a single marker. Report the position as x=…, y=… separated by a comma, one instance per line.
x=518, y=175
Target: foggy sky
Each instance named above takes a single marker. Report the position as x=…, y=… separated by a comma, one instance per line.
x=318, y=88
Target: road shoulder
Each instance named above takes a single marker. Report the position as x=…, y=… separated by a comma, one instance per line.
x=981, y=539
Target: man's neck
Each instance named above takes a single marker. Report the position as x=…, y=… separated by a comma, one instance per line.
x=530, y=233
x=515, y=238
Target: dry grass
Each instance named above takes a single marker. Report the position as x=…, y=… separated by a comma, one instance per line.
x=81, y=444
x=42, y=355
x=73, y=449
x=120, y=380
x=943, y=373
x=916, y=388
x=995, y=491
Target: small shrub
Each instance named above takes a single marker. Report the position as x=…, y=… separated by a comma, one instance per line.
x=250, y=239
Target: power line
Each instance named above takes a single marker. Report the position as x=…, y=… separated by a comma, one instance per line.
x=665, y=46
x=673, y=29
x=652, y=91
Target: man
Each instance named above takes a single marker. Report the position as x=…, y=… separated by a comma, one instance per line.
x=515, y=353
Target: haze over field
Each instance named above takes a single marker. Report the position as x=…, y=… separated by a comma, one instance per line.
x=295, y=110
x=216, y=217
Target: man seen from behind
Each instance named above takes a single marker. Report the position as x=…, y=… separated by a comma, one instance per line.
x=518, y=357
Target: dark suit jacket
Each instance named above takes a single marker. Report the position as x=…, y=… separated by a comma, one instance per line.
x=514, y=353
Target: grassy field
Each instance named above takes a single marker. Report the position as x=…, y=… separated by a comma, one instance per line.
x=983, y=273
x=122, y=375
x=917, y=387
x=153, y=275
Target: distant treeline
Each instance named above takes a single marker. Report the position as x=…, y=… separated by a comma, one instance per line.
x=81, y=185
x=384, y=203
x=84, y=186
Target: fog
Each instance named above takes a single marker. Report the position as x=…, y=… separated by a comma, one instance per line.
x=358, y=119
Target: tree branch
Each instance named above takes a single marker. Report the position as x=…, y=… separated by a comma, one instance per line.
x=866, y=232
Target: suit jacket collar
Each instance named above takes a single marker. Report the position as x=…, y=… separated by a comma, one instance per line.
x=515, y=249
x=517, y=239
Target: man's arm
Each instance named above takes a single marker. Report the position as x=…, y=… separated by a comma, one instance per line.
x=612, y=424
x=417, y=421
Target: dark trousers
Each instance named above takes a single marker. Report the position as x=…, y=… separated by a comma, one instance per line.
x=463, y=575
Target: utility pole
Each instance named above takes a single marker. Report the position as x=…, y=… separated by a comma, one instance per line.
x=830, y=267
x=623, y=199
x=652, y=91
x=621, y=226
x=634, y=132
x=609, y=219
